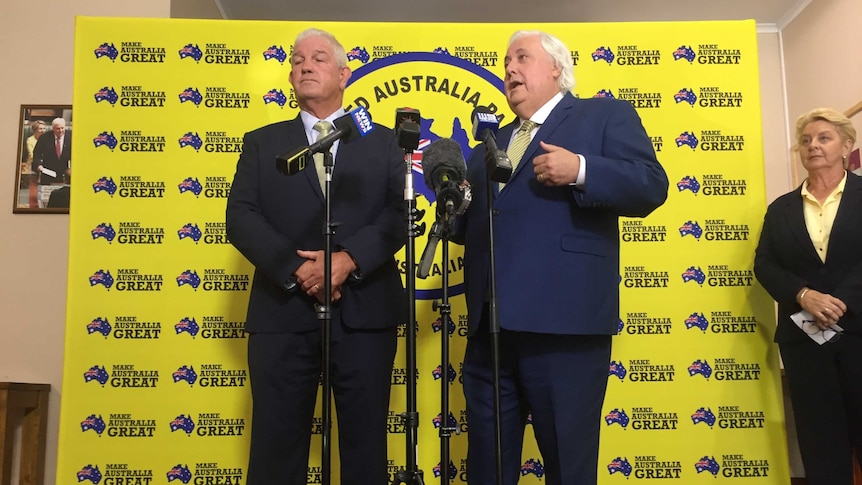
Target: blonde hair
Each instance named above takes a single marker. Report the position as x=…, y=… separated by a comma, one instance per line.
x=842, y=124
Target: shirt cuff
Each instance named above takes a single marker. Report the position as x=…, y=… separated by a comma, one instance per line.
x=582, y=173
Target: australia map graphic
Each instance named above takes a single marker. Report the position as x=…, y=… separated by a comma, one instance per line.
x=427, y=136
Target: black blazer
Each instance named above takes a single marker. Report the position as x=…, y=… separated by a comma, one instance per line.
x=270, y=215
x=45, y=154
x=59, y=198
x=786, y=260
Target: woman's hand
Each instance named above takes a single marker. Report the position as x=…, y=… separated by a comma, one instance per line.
x=825, y=308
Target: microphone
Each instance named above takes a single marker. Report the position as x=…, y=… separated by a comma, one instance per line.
x=407, y=121
x=444, y=169
x=424, y=268
x=485, y=123
x=353, y=125
x=485, y=126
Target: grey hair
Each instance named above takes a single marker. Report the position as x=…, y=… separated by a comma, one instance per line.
x=338, y=52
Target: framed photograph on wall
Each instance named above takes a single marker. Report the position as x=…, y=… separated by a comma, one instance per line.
x=43, y=171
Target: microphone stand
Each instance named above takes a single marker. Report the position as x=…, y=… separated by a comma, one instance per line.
x=410, y=419
x=445, y=320
x=324, y=314
x=494, y=319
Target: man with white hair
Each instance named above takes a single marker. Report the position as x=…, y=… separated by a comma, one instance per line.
x=579, y=164
x=51, y=157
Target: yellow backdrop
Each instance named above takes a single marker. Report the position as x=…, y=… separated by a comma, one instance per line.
x=156, y=388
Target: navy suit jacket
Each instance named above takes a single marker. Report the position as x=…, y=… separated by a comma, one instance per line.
x=557, y=248
x=786, y=260
x=270, y=216
x=45, y=154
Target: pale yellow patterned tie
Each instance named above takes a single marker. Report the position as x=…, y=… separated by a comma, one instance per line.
x=519, y=145
x=324, y=128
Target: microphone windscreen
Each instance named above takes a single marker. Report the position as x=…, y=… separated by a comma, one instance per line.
x=484, y=119
x=443, y=161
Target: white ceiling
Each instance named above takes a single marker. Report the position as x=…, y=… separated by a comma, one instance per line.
x=765, y=12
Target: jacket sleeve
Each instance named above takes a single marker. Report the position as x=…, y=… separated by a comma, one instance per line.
x=781, y=283
x=626, y=178
x=272, y=254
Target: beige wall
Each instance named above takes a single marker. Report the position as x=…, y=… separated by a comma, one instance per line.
x=773, y=114
x=33, y=248
x=37, y=42
x=823, y=58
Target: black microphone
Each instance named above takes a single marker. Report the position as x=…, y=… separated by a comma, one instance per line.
x=497, y=163
x=424, y=268
x=444, y=169
x=353, y=125
x=407, y=128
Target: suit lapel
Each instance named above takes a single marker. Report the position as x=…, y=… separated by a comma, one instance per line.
x=555, y=119
x=846, y=220
x=340, y=158
x=504, y=137
x=296, y=138
x=795, y=215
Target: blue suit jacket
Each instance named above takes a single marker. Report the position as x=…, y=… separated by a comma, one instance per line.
x=557, y=248
x=786, y=261
x=270, y=216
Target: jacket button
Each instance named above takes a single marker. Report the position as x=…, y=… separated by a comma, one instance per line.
x=822, y=271
x=496, y=212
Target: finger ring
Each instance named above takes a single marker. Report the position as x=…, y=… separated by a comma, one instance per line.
x=540, y=177
x=315, y=287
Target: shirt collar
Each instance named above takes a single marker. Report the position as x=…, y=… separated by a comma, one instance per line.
x=838, y=189
x=541, y=115
x=309, y=120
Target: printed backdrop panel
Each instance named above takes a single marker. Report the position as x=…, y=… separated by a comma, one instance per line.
x=156, y=386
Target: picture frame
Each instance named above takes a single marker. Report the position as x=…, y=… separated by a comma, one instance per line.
x=35, y=186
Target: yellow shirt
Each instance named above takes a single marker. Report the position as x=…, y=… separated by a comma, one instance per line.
x=820, y=217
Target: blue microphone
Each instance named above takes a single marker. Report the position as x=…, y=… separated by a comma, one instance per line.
x=353, y=125
x=497, y=163
x=485, y=123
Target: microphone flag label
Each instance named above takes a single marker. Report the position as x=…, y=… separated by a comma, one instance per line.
x=486, y=117
x=362, y=119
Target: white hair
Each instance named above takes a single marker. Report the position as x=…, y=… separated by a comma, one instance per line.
x=559, y=54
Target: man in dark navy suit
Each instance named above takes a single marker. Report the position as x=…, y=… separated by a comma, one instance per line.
x=277, y=223
x=580, y=164
x=52, y=155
